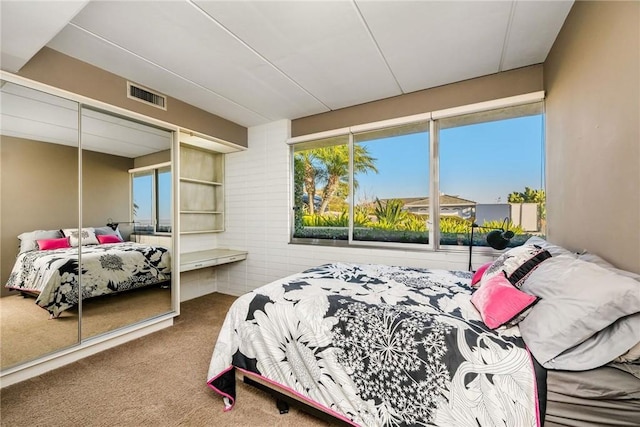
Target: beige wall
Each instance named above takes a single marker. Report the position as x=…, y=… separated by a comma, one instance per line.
x=592, y=79
x=494, y=86
x=105, y=188
x=39, y=190
x=56, y=69
x=152, y=159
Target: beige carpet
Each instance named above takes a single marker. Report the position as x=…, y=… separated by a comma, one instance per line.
x=157, y=380
x=26, y=331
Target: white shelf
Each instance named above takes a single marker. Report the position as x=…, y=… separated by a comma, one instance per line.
x=202, y=231
x=200, y=181
x=201, y=212
x=201, y=190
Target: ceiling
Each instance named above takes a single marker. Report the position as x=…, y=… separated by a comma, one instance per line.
x=253, y=62
x=38, y=116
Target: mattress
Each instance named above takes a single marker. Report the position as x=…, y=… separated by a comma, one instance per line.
x=606, y=396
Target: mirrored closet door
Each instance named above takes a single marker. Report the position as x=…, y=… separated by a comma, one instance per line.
x=39, y=197
x=128, y=282
x=86, y=250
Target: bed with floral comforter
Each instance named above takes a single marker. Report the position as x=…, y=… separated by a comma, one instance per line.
x=378, y=345
x=106, y=269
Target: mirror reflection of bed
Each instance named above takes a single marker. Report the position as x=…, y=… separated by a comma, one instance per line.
x=42, y=178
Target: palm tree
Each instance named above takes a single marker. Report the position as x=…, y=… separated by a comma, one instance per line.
x=335, y=160
x=311, y=175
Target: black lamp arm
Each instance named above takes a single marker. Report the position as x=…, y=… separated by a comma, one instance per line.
x=497, y=238
x=114, y=225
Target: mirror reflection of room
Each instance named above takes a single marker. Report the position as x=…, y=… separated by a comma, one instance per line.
x=129, y=281
x=39, y=152
x=48, y=229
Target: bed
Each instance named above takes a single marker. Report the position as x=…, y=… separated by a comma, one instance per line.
x=52, y=275
x=381, y=345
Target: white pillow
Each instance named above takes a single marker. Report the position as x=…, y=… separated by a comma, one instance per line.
x=587, y=315
x=28, y=240
x=602, y=347
x=554, y=250
x=88, y=236
x=108, y=231
x=517, y=263
x=589, y=257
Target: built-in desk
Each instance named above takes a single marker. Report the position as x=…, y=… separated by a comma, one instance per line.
x=209, y=258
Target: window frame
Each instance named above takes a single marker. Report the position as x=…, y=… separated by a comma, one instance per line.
x=433, y=118
x=153, y=170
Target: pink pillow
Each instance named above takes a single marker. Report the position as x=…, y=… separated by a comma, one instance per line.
x=108, y=238
x=479, y=272
x=499, y=302
x=48, y=244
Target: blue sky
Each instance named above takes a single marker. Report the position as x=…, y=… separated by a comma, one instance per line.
x=482, y=162
x=142, y=188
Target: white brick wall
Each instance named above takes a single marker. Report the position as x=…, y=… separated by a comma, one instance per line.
x=257, y=188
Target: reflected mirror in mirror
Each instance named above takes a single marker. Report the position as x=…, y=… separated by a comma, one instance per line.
x=126, y=206
x=39, y=197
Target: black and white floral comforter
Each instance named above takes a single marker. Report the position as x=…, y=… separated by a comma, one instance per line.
x=106, y=269
x=378, y=345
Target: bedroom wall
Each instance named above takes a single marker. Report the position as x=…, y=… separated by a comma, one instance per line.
x=105, y=188
x=27, y=164
x=152, y=159
x=592, y=79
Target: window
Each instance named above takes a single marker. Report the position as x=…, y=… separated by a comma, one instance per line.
x=491, y=173
x=374, y=187
x=391, y=173
x=151, y=191
x=321, y=189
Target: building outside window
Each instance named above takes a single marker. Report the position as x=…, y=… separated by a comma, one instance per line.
x=375, y=187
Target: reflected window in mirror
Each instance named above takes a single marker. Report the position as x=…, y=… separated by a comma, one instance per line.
x=151, y=208
x=163, y=200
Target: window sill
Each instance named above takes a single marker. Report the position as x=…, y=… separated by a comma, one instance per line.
x=405, y=247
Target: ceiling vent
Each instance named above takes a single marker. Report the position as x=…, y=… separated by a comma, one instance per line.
x=142, y=94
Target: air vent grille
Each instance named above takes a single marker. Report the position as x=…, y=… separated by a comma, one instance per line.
x=145, y=95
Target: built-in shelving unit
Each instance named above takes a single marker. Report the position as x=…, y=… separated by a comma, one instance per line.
x=201, y=190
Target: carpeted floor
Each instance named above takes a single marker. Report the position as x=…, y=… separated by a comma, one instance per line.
x=157, y=380
x=28, y=333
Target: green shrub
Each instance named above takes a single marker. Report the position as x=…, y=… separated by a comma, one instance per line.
x=389, y=214
x=414, y=223
x=332, y=220
x=361, y=217
x=326, y=220
x=454, y=224
x=380, y=235
x=506, y=226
